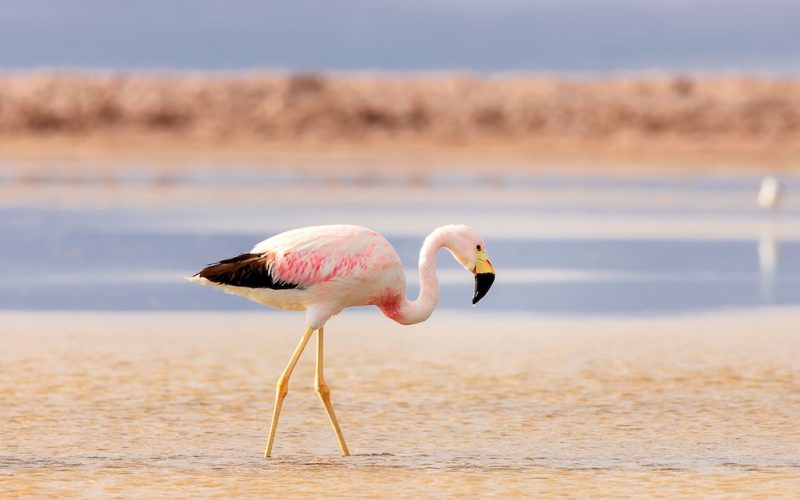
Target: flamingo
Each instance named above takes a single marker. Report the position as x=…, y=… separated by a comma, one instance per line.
x=770, y=194
x=323, y=269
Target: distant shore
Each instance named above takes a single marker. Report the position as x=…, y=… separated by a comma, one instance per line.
x=682, y=123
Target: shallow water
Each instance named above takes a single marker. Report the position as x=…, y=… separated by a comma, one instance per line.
x=567, y=245
x=464, y=403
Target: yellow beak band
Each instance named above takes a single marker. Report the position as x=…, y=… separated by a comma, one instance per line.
x=483, y=265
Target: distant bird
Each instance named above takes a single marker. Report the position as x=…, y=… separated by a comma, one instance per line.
x=770, y=194
x=324, y=269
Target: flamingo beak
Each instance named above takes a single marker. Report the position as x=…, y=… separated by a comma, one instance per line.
x=484, y=276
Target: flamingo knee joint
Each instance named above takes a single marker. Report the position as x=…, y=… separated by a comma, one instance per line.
x=282, y=387
x=323, y=390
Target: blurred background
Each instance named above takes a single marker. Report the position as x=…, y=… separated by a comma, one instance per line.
x=611, y=152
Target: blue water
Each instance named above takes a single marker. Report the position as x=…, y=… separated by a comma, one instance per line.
x=106, y=259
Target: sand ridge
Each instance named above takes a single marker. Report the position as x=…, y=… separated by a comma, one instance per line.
x=699, y=120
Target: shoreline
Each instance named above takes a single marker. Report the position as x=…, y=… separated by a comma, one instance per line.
x=472, y=325
x=175, y=154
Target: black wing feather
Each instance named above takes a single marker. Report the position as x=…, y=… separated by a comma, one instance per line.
x=247, y=270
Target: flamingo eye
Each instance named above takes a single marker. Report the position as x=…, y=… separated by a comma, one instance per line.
x=478, y=248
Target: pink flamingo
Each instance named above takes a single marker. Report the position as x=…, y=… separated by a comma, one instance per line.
x=323, y=269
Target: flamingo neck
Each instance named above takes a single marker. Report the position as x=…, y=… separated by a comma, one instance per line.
x=417, y=311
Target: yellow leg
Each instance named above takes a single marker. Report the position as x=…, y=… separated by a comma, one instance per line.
x=283, y=388
x=325, y=395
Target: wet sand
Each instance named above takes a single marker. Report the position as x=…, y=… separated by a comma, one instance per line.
x=147, y=405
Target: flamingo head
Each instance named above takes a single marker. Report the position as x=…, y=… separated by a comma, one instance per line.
x=470, y=251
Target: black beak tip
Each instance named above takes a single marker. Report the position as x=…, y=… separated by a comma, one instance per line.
x=483, y=282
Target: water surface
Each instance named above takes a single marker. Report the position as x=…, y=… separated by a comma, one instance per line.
x=566, y=245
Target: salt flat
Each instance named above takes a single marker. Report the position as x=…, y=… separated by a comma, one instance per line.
x=143, y=403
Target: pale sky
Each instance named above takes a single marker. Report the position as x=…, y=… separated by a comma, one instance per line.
x=577, y=36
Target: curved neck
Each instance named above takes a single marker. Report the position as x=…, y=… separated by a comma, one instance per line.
x=419, y=310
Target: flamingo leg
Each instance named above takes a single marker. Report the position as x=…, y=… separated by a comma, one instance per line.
x=283, y=389
x=325, y=394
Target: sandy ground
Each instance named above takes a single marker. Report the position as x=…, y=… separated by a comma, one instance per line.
x=112, y=153
x=147, y=405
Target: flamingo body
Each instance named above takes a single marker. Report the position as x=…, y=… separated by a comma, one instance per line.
x=318, y=269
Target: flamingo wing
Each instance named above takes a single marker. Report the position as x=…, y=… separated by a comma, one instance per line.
x=299, y=258
x=246, y=270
